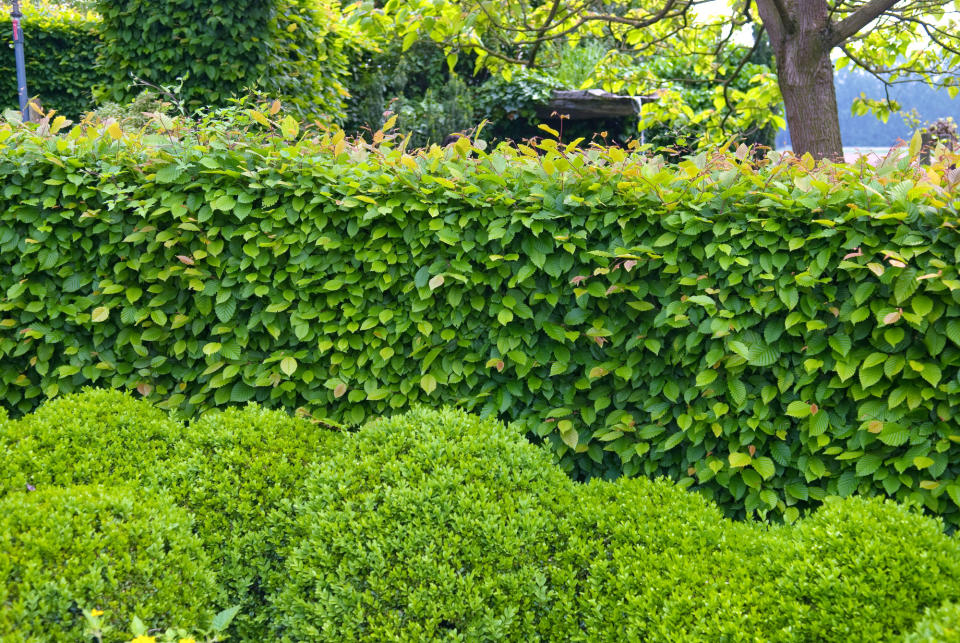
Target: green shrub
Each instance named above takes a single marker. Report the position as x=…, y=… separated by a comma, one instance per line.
x=422, y=527
x=60, y=47
x=656, y=566
x=94, y=437
x=939, y=625
x=293, y=49
x=105, y=548
x=767, y=333
x=241, y=471
x=438, y=525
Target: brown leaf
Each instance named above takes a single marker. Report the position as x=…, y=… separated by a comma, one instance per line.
x=185, y=259
x=892, y=318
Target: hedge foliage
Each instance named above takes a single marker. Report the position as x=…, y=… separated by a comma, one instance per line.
x=940, y=625
x=98, y=437
x=440, y=526
x=234, y=471
x=421, y=527
x=63, y=550
x=240, y=472
x=60, y=46
x=434, y=525
x=290, y=49
x=767, y=333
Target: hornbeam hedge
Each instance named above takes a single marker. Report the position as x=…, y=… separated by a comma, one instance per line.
x=769, y=334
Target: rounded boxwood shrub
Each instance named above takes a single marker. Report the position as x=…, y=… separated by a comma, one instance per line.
x=63, y=550
x=440, y=524
x=241, y=470
x=940, y=625
x=649, y=561
x=93, y=437
x=431, y=525
x=875, y=559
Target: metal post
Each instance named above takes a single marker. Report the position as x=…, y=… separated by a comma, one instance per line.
x=15, y=16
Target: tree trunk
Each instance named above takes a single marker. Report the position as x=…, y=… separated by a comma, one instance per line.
x=798, y=30
x=811, y=102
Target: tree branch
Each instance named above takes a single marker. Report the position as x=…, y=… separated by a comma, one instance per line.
x=849, y=26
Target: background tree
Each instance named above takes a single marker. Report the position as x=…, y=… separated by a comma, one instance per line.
x=894, y=40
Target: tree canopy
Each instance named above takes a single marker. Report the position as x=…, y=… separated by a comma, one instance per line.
x=893, y=40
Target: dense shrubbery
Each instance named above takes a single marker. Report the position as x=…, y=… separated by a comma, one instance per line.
x=425, y=526
x=60, y=47
x=770, y=334
x=940, y=625
x=241, y=472
x=125, y=553
x=100, y=437
x=291, y=49
x=437, y=524
x=496, y=545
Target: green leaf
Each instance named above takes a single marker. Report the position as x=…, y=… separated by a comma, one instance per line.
x=923, y=462
x=868, y=464
x=665, y=239
x=706, y=377
x=226, y=309
x=211, y=348
x=798, y=409
x=428, y=383
x=568, y=434
x=223, y=619
x=894, y=434
x=931, y=373
x=764, y=466
x=841, y=344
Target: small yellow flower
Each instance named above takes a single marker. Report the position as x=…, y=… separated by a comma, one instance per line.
x=144, y=639
x=96, y=612
x=190, y=640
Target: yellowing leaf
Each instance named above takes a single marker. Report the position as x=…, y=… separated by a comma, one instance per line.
x=738, y=459
x=568, y=434
x=58, y=124
x=289, y=127
x=115, y=131
x=274, y=107
x=435, y=283
x=288, y=365
x=260, y=118
x=428, y=383
x=339, y=390
x=100, y=314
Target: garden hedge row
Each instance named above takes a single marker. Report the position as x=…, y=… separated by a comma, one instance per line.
x=60, y=46
x=430, y=525
x=769, y=334
x=291, y=49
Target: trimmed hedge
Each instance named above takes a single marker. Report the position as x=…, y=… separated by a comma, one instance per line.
x=95, y=437
x=438, y=525
x=422, y=527
x=235, y=470
x=940, y=625
x=291, y=49
x=241, y=471
x=106, y=548
x=769, y=334
x=60, y=46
